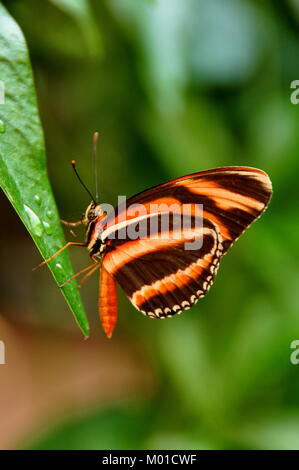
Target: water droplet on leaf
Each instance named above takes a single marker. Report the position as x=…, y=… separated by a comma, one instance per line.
x=37, y=199
x=47, y=227
x=60, y=268
x=2, y=126
x=50, y=214
x=34, y=221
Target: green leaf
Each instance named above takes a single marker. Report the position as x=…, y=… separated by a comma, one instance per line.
x=23, y=174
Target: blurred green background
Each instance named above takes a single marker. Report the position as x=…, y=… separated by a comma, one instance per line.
x=174, y=87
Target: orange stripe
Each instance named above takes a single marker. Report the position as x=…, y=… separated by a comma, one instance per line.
x=142, y=209
x=135, y=248
x=169, y=283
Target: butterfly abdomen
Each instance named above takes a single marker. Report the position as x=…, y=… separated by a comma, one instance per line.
x=107, y=302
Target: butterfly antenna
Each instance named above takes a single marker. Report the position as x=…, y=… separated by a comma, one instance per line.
x=95, y=139
x=73, y=163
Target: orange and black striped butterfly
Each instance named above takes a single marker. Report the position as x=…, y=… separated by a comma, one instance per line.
x=158, y=274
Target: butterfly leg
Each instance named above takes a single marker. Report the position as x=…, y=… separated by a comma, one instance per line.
x=73, y=224
x=107, y=302
x=90, y=273
x=57, y=253
x=90, y=266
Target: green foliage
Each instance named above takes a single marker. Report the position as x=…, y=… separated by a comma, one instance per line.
x=110, y=429
x=81, y=13
x=23, y=174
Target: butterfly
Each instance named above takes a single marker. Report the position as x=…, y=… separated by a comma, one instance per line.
x=164, y=271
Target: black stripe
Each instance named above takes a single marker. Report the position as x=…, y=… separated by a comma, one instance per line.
x=158, y=264
x=241, y=184
x=181, y=294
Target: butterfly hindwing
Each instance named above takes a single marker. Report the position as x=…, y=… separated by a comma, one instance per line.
x=161, y=277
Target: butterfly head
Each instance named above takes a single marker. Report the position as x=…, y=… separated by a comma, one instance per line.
x=92, y=212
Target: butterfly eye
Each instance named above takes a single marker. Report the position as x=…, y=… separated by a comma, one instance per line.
x=91, y=214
